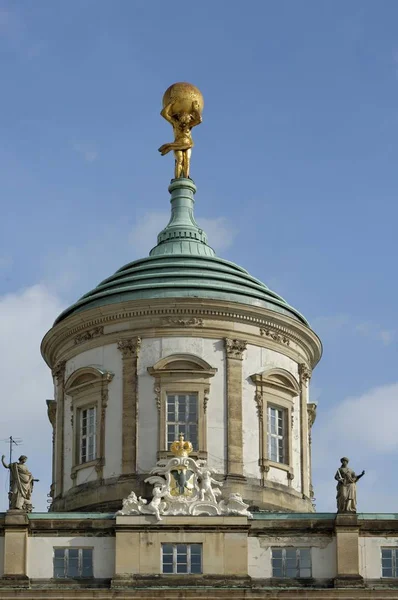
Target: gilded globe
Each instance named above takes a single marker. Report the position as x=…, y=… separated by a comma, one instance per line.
x=181, y=95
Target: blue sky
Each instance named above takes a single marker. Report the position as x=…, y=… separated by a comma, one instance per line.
x=295, y=165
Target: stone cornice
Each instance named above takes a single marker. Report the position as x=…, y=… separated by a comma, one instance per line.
x=211, y=318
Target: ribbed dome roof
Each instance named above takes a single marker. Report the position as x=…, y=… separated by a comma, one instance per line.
x=182, y=265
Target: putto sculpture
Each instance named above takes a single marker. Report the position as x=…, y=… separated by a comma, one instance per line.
x=183, y=486
x=346, y=487
x=182, y=108
x=21, y=484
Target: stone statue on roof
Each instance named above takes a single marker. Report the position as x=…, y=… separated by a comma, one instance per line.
x=21, y=484
x=346, y=487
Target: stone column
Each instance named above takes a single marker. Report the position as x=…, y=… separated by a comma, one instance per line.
x=305, y=376
x=59, y=380
x=347, y=546
x=234, y=351
x=129, y=349
x=15, y=549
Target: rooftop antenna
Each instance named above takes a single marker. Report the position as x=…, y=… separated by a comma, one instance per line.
x=12, y=442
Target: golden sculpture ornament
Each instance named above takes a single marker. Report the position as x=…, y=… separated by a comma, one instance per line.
x=181, y=447
x=182, y=108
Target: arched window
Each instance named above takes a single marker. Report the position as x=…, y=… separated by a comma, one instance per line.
x=88, y=390
x=182, y=390
x=275, y=391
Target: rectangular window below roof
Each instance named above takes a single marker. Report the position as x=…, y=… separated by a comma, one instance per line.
x=73, y=563
x=291, y=563
x=389, y=562
x=181, y=559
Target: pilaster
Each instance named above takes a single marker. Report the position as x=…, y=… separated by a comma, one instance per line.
x=15, y=549
x=347, y=547
x=305, y=376
x=59, y=382
x=234, y=352
x=130, y=350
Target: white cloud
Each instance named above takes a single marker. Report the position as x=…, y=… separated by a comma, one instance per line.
x=89, y=152
x=220, y=232
x=25, y=317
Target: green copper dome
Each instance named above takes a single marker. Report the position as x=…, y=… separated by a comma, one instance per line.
x=182, y=265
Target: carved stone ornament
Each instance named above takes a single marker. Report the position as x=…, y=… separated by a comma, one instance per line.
x=275, y=335
x=311, y=411
x=305, y=372
x=59, y=370
x=157, y=391
x=258, y=397
x=129, y=348
x=183, y=486
x=183, y=322
x=235, y=348
x=206, y=399
x=89, y=335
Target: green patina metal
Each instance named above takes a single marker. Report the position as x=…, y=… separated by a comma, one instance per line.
x=182, y=265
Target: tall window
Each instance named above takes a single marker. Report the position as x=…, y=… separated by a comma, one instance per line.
x=181, y=558
x=291, y=562
x=73, y=562
x=276, y=434
x=87, y=434
x=389, y=562
x=182, y=417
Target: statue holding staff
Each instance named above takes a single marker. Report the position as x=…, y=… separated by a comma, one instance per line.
x=346, y=487
x=21, y=484
x=182, y=108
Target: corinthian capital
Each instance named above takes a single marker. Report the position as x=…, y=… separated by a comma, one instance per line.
x=129, y=348
x=235, y=348
x=305, y=372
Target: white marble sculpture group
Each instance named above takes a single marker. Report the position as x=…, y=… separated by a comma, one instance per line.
x=183, y=486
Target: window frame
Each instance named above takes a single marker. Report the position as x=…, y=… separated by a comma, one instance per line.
x=175, y=555
x=394, y=562
x=182, y=374
x=284, y=436
x=298, y=550
x=186, y=423
x=88, y=435
x=87, y=388
x=279, y=389
x=66, y=560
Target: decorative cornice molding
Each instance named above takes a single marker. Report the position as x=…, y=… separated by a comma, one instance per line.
x=182, y=322
x=89, y=335
x=129, y=348
x=275, y=335
x=296, y=333
x=235, y=348
x=58, y=371
x=305, y=372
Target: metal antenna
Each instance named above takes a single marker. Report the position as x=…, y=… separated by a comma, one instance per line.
x=12, y=442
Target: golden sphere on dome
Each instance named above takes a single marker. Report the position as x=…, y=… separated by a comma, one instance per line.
x=180, y=96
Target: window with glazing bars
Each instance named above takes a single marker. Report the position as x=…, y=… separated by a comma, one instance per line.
x=87, y=434
x=291, y=562
x=276, y=434
x=389, y=562
x=73, y=562
x=182, y=417
x=181, y=558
